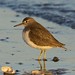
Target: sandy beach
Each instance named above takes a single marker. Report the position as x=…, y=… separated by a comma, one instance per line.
x=17, y=54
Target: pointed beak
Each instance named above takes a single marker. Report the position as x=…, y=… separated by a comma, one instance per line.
x=19, y=24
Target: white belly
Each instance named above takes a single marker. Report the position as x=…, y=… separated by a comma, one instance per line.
x=30, y=43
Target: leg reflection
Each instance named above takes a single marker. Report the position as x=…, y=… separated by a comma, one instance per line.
x=42, y=70
x=42, y=66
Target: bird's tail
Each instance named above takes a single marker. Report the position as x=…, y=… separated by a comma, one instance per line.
x=63, y=46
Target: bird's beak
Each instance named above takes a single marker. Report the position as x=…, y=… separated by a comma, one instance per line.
x=19, y=24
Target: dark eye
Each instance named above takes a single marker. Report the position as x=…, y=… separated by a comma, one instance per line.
x=26, y=21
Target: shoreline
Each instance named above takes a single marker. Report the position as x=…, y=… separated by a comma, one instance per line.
x=15, y=53
x=60, y=12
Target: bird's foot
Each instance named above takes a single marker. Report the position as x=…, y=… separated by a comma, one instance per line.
x=38, y=59
x=41, y=59
x=44, y=59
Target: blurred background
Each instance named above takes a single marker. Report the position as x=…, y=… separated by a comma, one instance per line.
x=61, y=12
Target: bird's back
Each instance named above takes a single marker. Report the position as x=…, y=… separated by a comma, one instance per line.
x=41, y=36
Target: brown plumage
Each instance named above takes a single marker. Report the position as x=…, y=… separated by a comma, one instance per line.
x=44, y=37
x=38, y=35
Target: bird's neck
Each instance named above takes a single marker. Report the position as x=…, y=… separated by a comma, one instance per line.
x=26, y=29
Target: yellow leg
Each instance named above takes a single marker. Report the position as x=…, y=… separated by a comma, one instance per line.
x=40, y=55
x=41, y=67
x=44, y=56
x=44, y=65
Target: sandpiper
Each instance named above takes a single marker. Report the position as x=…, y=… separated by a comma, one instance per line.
x=37, y=36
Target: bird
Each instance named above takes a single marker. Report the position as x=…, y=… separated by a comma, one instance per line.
x=37, y=36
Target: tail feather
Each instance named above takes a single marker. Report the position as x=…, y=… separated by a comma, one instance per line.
x=63, y=46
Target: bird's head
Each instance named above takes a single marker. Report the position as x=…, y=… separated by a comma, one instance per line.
x=26, y=21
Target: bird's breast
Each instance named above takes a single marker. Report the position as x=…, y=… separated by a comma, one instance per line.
x=26, y=38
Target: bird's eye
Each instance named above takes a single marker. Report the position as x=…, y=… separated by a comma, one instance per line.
x=26, y=21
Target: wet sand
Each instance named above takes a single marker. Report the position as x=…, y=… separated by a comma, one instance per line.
x=22, y=58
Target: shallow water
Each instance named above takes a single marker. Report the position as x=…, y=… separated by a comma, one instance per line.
x=61, y=12
x=15, y=53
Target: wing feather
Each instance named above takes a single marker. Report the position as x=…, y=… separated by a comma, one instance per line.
x=41, y=36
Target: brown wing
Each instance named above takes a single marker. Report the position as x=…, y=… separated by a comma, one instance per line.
x=41, y=36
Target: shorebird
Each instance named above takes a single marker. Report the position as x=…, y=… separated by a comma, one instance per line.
x=37, y=36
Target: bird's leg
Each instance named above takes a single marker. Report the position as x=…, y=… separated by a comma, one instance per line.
x=40, y=55
x=44, y=66
x=41, y=67
x=44, y=56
